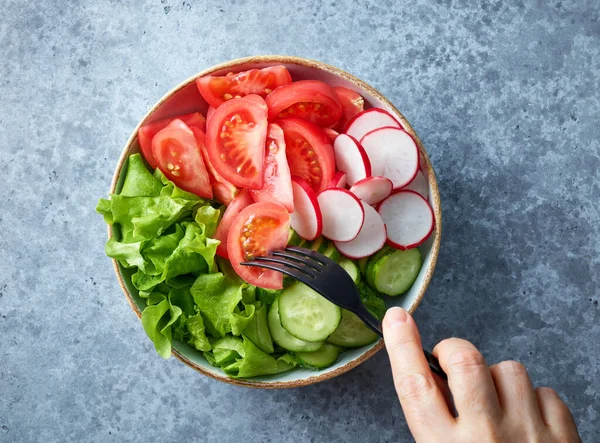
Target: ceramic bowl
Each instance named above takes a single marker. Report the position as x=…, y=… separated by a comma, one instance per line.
x=185, y=98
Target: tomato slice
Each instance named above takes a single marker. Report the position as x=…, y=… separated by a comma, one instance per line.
x=277, y=187
x=352, y=103
x=257, y=230
x=242, y=200
x=223, y=191
x=331, y=133
x=178, y=156
x=311, y=100
x=147, y=132
x=219, y=89
x=309, y=152
x=235, y=140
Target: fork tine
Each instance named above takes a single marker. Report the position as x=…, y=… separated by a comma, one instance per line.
x=300, y=259
x=301, y=266
x=300, y=276
x=320, y=258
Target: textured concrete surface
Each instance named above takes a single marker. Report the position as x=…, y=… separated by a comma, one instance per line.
x=504, y=94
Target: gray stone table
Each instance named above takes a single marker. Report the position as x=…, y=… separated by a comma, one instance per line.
x=504, y=94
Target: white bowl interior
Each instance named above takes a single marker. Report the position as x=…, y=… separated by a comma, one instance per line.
x=188, y=99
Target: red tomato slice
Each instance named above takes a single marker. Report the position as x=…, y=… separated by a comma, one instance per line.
x=309, y=152
x=352, y=103
x=241, y=201
x=218, y=89
x=311, y=100
x=147, y=132
x=256, y=231
x=235, y=140
x=223, y=191
x=178, y=156
x=278, y=180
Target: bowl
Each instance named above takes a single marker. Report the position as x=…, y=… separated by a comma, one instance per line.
x=185, y=98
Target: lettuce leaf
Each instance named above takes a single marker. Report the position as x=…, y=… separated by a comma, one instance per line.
x=372, y=301
x=216, y=298
x=254, y=362
x=139, y=182
x=158, y=325
x=257, y=329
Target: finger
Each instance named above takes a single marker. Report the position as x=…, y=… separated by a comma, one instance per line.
x=422, y=402
x=515, y=391
x=469, y=379
x=556, y=415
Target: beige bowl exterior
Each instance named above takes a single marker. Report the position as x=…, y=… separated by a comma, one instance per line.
x=185, y=98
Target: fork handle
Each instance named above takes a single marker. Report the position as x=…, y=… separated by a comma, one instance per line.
x=372, y=322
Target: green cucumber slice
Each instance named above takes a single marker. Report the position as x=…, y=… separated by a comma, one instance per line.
x=293, y=238
x=306, y=314
x=394, y=272
x=323, y=358
x=283, y=338
x=362, y=264
x=332, y=252
x=319, y=244
x=352, y=332
x=351, y=268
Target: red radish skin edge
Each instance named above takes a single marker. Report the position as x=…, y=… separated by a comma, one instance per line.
x=365, y=158
x=356, y=258
x=366, y=181
x=312, y=197
x=339, y=180
x=366, y=111
x=398, y=188
x=419, y=243
x=355, y=198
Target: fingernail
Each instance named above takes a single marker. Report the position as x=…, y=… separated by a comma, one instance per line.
x=395, y=316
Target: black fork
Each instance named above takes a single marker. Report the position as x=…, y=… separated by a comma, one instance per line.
x=331, y=281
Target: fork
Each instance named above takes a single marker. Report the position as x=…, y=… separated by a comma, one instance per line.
x=331, y=281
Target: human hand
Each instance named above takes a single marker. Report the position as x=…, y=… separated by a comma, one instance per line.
x=494, y=404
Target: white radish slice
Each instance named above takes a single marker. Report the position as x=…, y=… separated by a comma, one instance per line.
x=419, y=184
x=339, y=180
x=369, y=120
x=408, y=217
x=306, y=219
x=393, y=154
x=343, y=214
x=372, y=190
x=351, y=158
x=369, y=240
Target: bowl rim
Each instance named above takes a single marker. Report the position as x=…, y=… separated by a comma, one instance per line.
x=434, y=199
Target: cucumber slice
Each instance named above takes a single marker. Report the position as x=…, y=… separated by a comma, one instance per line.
x=283, y=338
x=332, y=252
x=394, y=272
x=362, y=264
x=351, y=269
x=323, y=358
x=352, y=332
x=306, y=314
x=319, y=244
x=293, y=238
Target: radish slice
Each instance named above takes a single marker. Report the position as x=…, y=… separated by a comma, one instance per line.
x=306, y=219
x=419, y=184
x=339, y=180
x=331, y=133
x=351, y=158
x=372, y=190
x=393, y=154
x=408, y=217
x=343, y=214
x=369, y=240
x=370, y=120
